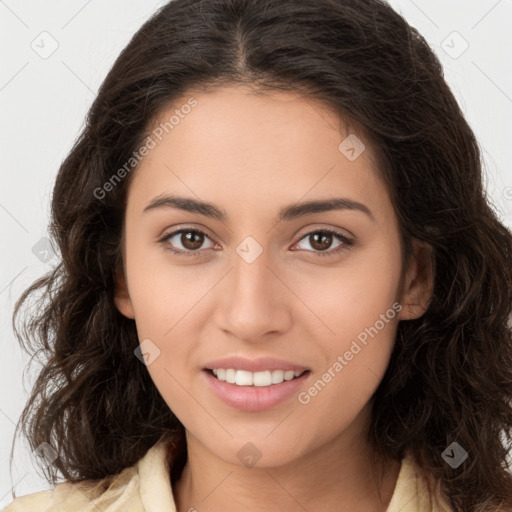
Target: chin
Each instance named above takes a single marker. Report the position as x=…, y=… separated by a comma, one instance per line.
x=257, y=452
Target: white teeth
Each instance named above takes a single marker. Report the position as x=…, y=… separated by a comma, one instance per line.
x=277, y=376
x=264, y=378
x=243, y=378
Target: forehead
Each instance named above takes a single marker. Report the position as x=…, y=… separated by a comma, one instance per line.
x=249, y=118
x=246, y=147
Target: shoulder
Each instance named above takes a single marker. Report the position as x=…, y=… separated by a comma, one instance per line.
x=417, y=491
x=36, y=501
x=84, y=496
x=143, y=486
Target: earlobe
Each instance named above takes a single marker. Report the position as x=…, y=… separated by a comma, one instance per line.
x=419, y=282
x=122, y=297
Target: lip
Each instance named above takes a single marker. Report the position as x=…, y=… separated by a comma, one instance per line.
x=254, y=398
x=254, y=365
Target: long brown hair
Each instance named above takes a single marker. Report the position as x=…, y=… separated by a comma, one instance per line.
x=450, y=375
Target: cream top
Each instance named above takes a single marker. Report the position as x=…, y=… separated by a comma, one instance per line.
x=146, y=487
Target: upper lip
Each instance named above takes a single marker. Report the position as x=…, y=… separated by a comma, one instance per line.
x=254, y=365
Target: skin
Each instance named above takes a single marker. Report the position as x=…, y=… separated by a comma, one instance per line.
x=252, y=155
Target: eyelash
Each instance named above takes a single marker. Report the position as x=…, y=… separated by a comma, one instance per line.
x=347, y=243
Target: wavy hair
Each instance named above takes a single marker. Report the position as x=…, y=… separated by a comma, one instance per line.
x=450, y=374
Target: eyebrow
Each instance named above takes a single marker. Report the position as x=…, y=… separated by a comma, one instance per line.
x=287, y=213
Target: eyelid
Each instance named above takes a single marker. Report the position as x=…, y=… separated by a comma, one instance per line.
x=343, y=233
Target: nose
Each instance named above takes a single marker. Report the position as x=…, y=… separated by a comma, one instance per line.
x=255, y=301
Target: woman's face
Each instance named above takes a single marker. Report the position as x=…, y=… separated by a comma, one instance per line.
x=267, y=284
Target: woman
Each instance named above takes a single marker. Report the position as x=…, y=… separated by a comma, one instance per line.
x=281, y=286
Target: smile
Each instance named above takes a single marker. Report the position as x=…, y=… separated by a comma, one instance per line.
x=262, y=379
x=255, y=391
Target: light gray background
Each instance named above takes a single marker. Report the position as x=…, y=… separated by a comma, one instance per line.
x=44, y=98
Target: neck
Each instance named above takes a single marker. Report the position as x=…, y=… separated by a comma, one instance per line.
x=337, y=476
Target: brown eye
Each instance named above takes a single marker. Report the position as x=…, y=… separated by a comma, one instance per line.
x=185, y=241
x=322, y=239
x=191, y=240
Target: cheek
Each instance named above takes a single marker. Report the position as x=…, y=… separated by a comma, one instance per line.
x=356, y=317
x=346, y=299
x=355, y=367
x=163, y=293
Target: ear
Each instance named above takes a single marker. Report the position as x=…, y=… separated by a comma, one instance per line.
x=122, y=297
x=418, y=282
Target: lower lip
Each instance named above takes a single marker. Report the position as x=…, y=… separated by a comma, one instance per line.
x=255, y=398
